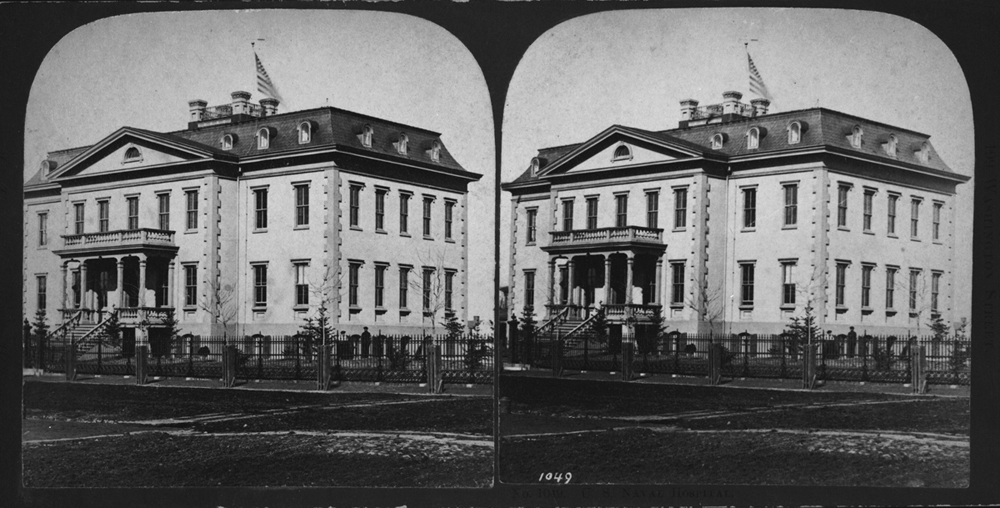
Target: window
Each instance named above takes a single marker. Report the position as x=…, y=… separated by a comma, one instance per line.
x=263, y=139
x=753, y=139
x=891, y=226
x=621, y=210
x=352, y=283
x=936, y=228
x=842, y=191
x=535, y=164
x=76, y=289
x=924, y=154
x=935, y=288
x=788, y=283
x=42, y=281
x=680, y=208
x=592, y=213
x=366, y=136
x=890, y=146
x=750, y=208
x=890, y=287
x=791, y=204
x=227, y=142
x=449, y=281
x=718, y=141
x=426, y=289
x=404, y=212
x=301, y=283
x=869, y=198
x=677, y=283
x=132, y=155
x=652, y=209
x=260, y=208
x=841, y=283
x=794, y=133
x=380, y=285
x=191, y=197
x=622, y=153
x=401, y=145
x=305, y=132
x=355, y=205
x=435, y=151
x=132, y=203
x=78, y=218
x=914, y=217
x=302, y=205
x=43, y=229
x=190, y=285
x=529, y=288
x=531, y=215
x=567, y=207
x=260, y=285
x=449, y=211
x=914, y=279
x=102, y=216
x=428, y=201
x=163, y=203
x=746, y=283
x=404, y=285
x=866, y=285
x=856, y=133
x=380, y=209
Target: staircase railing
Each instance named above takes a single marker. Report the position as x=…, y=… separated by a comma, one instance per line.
x=551, y=324
x=583, y=327
x=60, y=332
x=94, y=334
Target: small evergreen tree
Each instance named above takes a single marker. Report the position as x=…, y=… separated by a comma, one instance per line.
x=40, y=325
x=315, y=329
x=802, y=327
x=939, y=328
x=112, y=332
x=528, y=323
x=454, y=328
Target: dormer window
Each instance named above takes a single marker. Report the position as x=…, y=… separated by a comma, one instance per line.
x=227, y=142
x=794, y=133
x=535, y=164
x=435, y=151
x=366, y=136
x=305, y=133
x=924, y=154
x=132, y=155
x=856, y=133
x=263, y=139
x=718, y=141
x=47, y=166
x=622, y=153
x=401, y=145
x=890, y=146
x=753, y=138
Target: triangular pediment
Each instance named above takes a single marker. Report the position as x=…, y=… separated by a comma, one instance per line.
x=621, y=146
x=127, y=149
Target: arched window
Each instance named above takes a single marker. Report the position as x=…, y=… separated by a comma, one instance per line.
x=263, y=139
x=718, y=141
x=794, y=133
x=753, y=138
x=401, y=145
x=623, y=152
x=366, y=136
x=435, y=151
x=132, y=155
x=305, y=133
x=227, y=142
x=856, y=136
x=535, y=165
x=924, y=154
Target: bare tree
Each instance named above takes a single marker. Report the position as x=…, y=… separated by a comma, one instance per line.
x=432, y=285
x=220, y=302
x=709, y=303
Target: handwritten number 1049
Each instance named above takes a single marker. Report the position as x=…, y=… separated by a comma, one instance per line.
x=555, y=477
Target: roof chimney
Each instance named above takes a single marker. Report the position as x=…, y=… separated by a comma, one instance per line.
x=197, y=108
x=688, y=106
x=270, y=106
x=241, y=103
x=730, y=102
x=760, y=106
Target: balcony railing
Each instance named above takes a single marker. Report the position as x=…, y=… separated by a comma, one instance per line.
x=615, y=311
x=627, y=234
x=121, y=238
x=715, y=110
x=147, y=315
x=226, y=110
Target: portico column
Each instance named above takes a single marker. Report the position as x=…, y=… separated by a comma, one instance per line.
x=84, y=301
x=65, y=284
x=571, y=291
x=121, y=282
x=628, y=278
x=607, y=279
x=142, y=280
x=658, y=289
x=170, y=284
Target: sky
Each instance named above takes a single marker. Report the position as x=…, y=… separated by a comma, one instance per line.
x=634, y=67
x=141, y=70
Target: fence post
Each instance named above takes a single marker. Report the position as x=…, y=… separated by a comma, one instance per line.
x=260, y=356
x=628, y=350
x=71, y=361
x=557, y=354
x=714, y=363
x=918, y=360
x=190, y=372
x=28, y=350
x=512, y=338
x=784, y=352
x=746, y=354
x=141, y=359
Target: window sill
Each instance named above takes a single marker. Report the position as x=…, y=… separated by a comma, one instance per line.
x=867, y=310
x=428, y=313
x=259, y=308
x=892, y=235
x=190, y=231
x=356, y=228
x=790, y=226
x=746, y=306
x=43, y=247
x=679, y=230
x=748, y=230
x=354, y=309
x=676, y=305
x=404, y=233
x=914, y=314
x=841, y=309
x=787, y=306
x=381, y=310
x=890, y=312
x=430, y=238
x=844, y=228
x=449, y=240
x=868, y=232
x=186, y=308
x=403, y=311
x=938, y=242
x=300, y=308
x=915, y=239
x=381, y=232
x=300, y=227
x=529, y=244
x=264, y=230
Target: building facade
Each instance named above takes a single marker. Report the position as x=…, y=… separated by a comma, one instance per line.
x=248, y=221
x=739, y=220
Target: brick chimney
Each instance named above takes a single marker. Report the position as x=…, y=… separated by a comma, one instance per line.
x=241, y=103
x=197, y=108
x=688, y=106
x=269, y=105
x=760, y=106
x=730, y=102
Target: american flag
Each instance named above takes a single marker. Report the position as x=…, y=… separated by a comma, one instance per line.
x=264, y=84
x=757, y=85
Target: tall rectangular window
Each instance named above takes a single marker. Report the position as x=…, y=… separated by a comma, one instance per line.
x=380, y=209
x=750, y=208
x=380, y=285
x=260, y=208
x=190, y=285
x=428, y=203
x=791, y=204
x=746, y=283
x=891, y=225
x=914, y=280
x=449, y=211
x=355, y=205
x=78, y=218
x=42, y=281
x=677, y=283
x=449, y=281
x=842, y=191
x=353, y=280
x=260, y=285
x=890, y=287
x=191, y=197
x=866, y=286
x=869, y=198
x=404, y=286
x=404, y=213
x=76, y=289
x=621, y=210
x=841, y=283
x=592, y=213
x=680, y=207
x=301, y=284
x=567, y=208
x=914, y=217
x=133, y=211
x=426, y=289
x=103, y=212
x=529, y=288
x=935, y=289
x=163, y=204
x=531, y=215
x=788, y=283
x=937, y=221
x=43, y=229
x=652, y=209
x=302, y=205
